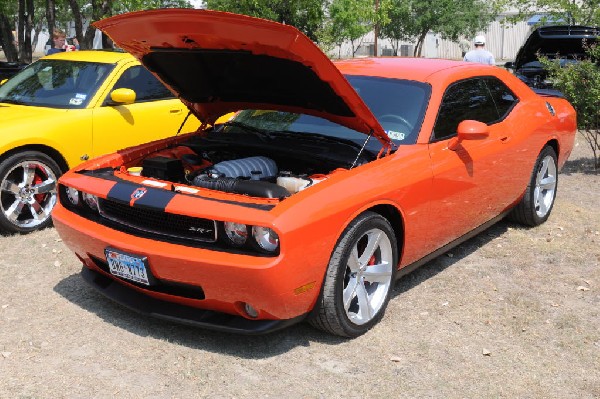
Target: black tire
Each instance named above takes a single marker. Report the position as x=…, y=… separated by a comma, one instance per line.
x=330, y=313
x=538, y=201
x=28, y=191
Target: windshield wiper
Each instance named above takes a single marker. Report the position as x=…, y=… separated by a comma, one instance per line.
x=11, y=101
x=320, y=137
x=259, y=132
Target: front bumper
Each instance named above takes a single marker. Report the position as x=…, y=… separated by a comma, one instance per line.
x=207, y=319
x=281, y=289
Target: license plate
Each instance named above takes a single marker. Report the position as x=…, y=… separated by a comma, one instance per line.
x=127, y=266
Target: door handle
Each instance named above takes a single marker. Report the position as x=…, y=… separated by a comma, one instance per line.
x=505, y=139
x=175, y=111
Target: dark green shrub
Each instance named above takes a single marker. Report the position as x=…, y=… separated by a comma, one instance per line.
x=580, y=83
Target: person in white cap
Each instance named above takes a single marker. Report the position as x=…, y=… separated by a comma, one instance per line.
x=479, y=54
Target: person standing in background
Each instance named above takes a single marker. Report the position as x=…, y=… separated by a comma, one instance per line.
x=59, y=39
x=479, y=54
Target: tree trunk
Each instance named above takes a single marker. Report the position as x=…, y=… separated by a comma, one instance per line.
x=21, y=28
x=420, y=42
x=7, y=40
x=51, y=17
x=26, y=11
x=26, y=49
x=99, y=11
x=107, y=43
x=78, y=18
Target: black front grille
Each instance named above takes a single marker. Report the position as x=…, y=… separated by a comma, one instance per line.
x=158, y=222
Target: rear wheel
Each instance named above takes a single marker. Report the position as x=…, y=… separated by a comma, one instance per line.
x=359, y=278
x=538, y=201
x=28, y=191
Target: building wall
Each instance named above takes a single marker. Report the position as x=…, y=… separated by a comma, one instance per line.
x=502, y=40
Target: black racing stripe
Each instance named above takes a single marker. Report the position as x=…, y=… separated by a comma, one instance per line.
x=107, y=174
x=153, y=198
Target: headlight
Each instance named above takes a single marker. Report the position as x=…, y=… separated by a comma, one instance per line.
x=266, y=238
x=91, y=201
x=72, y=195
x=237, y=233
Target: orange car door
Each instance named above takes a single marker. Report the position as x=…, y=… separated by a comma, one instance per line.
x=155, y=114
x=470, y=181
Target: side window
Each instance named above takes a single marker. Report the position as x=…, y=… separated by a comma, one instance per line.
x=467, y=99
x=503, y=97
x=145, y=85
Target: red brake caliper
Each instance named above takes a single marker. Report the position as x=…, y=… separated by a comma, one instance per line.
x=37, y=180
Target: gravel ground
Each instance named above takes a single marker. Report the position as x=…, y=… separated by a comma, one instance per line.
x=511, y=313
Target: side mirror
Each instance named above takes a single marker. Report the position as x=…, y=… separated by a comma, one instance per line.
x=509, y=65
x=469, y=130
x=3, y=81
x=123, y=96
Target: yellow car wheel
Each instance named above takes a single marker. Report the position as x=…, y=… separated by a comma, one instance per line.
x=28, y=191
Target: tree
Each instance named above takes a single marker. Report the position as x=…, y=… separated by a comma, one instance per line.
x=306, y=15
x=86, y=12
x=580, y=12
x=26, y=16
x=350, y=20
x=8, y=8
x=580, y=83
x=395, y=28
x=413, y=20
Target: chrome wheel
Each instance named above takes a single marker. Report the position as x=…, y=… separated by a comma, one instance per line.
x=545, y=186
x=28, y=193
x=359, y=278
x=368, y=276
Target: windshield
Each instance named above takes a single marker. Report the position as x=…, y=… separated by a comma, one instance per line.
x=398, y=105
x=55, y=83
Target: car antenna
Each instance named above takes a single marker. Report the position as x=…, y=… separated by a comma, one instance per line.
x=362, y=149
x=183, y=123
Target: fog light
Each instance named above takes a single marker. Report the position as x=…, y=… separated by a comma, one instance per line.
x=91, y=201
x=250, y=311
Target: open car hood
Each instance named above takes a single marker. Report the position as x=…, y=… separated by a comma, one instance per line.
x=221, y=62
x=564, y=40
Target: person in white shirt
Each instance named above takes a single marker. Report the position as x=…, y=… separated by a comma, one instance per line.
x=479, y=54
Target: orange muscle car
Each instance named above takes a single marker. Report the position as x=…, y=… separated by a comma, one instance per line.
x=330, y=182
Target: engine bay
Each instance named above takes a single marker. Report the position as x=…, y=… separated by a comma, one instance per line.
x=245, y=166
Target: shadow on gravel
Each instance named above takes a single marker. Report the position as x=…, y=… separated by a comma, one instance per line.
x=444, y=261
x=75, y=290
x=580, y=165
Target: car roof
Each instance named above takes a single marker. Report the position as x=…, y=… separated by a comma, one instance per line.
x=419, y=69
x=103, y=56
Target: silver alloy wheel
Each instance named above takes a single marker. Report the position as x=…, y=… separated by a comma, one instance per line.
x=368, y=276
x=28, y=192
x=545, y=186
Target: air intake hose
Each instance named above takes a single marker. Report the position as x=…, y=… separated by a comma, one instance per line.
x=253, y=188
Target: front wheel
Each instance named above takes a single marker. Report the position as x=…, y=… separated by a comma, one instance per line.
x=538, y=201
x=359, y=278
x=28, y=191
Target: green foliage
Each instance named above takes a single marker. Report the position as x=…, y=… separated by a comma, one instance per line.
x=413, y=19
x=124, y=6
x=580, y=12
x=350, y=20
x=306, y=15
x=580, y=83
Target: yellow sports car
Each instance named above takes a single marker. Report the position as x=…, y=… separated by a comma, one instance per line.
x=66, y=108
